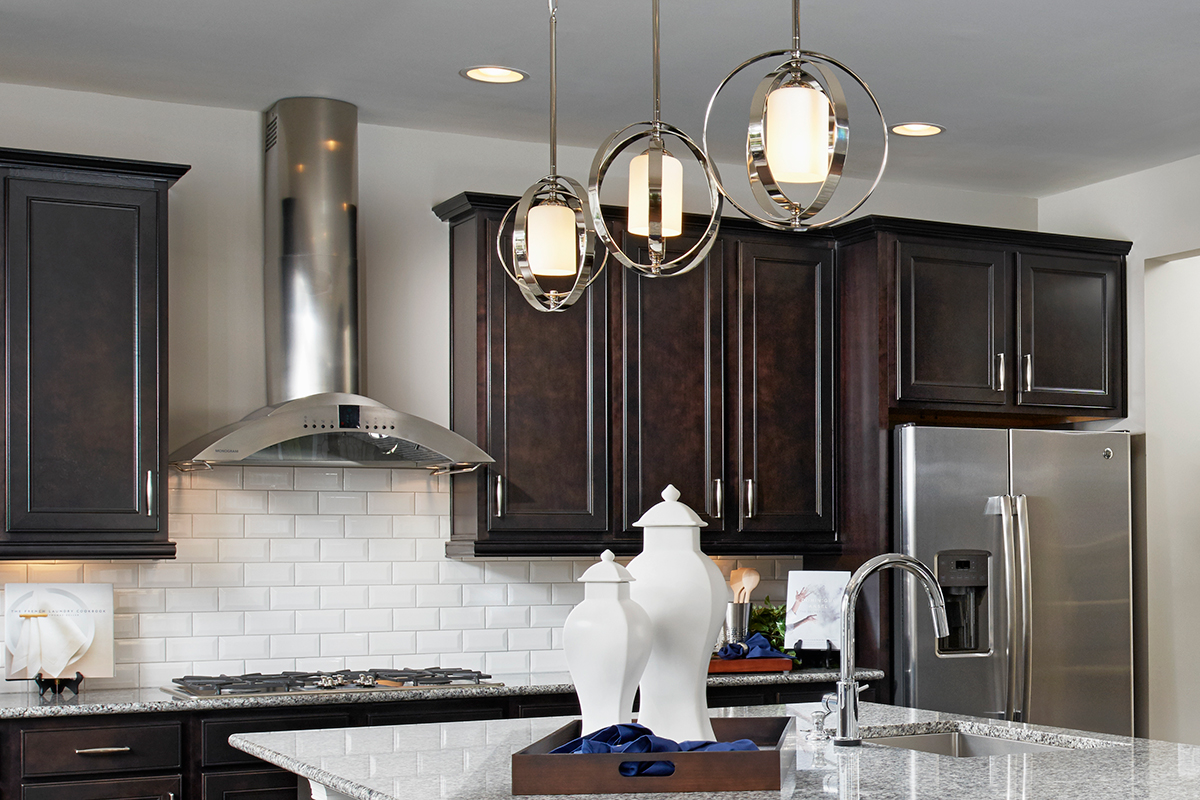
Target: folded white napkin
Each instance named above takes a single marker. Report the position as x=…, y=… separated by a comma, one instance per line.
x=49, y=644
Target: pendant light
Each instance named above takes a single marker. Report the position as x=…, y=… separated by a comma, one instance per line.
x=552, y=230
x=798, y=133
x=655, y=189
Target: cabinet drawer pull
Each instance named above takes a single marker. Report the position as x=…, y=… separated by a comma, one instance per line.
x=749, y=498
x=1000, y=372
x=1028, y=358
x=718, y=498
x=499, y=495
x=101, y=751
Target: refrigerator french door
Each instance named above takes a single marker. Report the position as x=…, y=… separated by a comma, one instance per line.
x=1028, y=533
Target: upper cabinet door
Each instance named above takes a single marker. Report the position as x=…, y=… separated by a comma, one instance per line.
x=547, y=409
x=1070, y=331
x=953, y=323
x=83, y=357
x=785, y=332
x=672, y=414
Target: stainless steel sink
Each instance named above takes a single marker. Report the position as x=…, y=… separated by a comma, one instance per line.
x=965, y=745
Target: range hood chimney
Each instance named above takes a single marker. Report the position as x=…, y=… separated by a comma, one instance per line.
x=315, y=415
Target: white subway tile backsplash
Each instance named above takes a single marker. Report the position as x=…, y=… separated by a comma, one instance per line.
x=416, y=527
x=342, y=502
x=366, y=480
x=326, y=621
x=251, y=598
x=312, y=568
x=485, y=594
x=270, y=622
x=344, y=549
x=267, y=478
x=312, y=526
x=217, y=575
x=191, y=600
x=368, y=574
x=218, y=623
x=222, y=526
x=364, y=527
x=318, y=478
x=244, y=550
x=550, y=571
x=167, y=624
x=165, y=573
x=281, y=526
x=529, y=594
x=399, y=596
x=345, y=596
x=485, y=641
x=318, y=574
x=271, y=574
x=281, y=502
x=438, y=595
x=241, y=501
x=389, y=503
x=56, y=573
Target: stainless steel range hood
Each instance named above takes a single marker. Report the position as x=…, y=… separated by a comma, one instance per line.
x=315, y=415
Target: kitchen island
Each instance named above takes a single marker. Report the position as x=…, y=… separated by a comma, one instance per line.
x=471, y=761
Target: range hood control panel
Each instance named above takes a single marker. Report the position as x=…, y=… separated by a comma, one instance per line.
x=349, y=417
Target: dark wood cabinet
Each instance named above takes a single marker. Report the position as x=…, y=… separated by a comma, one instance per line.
x=85, y=290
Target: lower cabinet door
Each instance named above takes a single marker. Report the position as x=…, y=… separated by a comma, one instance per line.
x=167, y=787
x=266, y=784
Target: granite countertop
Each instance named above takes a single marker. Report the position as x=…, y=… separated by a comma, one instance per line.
x=153, y=699
x=461, y=760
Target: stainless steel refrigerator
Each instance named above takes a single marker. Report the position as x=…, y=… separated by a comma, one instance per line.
x=1028, y=532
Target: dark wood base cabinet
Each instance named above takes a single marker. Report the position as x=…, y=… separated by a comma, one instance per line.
x=85, y=270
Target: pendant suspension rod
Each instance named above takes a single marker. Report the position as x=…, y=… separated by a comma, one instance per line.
x=553, y=88
x=657, y=90
x=796, y=29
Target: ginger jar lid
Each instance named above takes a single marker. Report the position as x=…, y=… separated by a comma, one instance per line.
x=606, y=571
x=670, y=513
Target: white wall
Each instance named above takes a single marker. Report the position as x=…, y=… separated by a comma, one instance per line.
x=293, y=568
x=1157, y=210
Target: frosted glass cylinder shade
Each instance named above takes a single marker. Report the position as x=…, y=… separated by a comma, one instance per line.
x=797, y=132
x=550, y=236
x=639, y=195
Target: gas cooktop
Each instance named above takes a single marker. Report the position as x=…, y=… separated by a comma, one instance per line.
x=346, y=680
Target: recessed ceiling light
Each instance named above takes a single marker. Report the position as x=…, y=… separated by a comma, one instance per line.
x=491, y=73
x=917, y=129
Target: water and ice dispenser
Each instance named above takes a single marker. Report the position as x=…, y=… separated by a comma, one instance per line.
x=963, y=576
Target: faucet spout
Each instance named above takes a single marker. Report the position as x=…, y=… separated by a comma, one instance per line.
x=847, y=687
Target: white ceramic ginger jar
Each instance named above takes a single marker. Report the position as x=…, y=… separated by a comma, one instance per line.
x=607, y=642
x=685, y=595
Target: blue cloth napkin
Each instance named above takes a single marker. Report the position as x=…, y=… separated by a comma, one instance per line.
x=756, y=646
x=634, y=738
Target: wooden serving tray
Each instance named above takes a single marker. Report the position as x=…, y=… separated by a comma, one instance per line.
x=536, y=771
x=720, y=665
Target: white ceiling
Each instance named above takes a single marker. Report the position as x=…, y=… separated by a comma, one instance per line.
x=1038, y=96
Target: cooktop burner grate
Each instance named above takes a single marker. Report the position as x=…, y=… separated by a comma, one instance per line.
x=346, y=680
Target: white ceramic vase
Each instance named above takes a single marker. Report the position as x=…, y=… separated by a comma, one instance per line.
x=607, y=642
x=685, y=595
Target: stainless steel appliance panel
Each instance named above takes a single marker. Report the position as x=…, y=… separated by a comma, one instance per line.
x=945, y=478
x=1077, y=495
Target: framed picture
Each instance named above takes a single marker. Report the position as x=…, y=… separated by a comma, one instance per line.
x=57, y=629
x=814, y=609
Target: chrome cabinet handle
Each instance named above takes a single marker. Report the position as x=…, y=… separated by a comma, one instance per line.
x=499, y=495
x=101, y=751
x=1000, y=372
x=749, y=498
x=149, y=493
x=718, y=497
x=1028, y=359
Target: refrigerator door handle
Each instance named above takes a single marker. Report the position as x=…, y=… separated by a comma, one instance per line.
x=1021, y=512
x=1012, y=595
